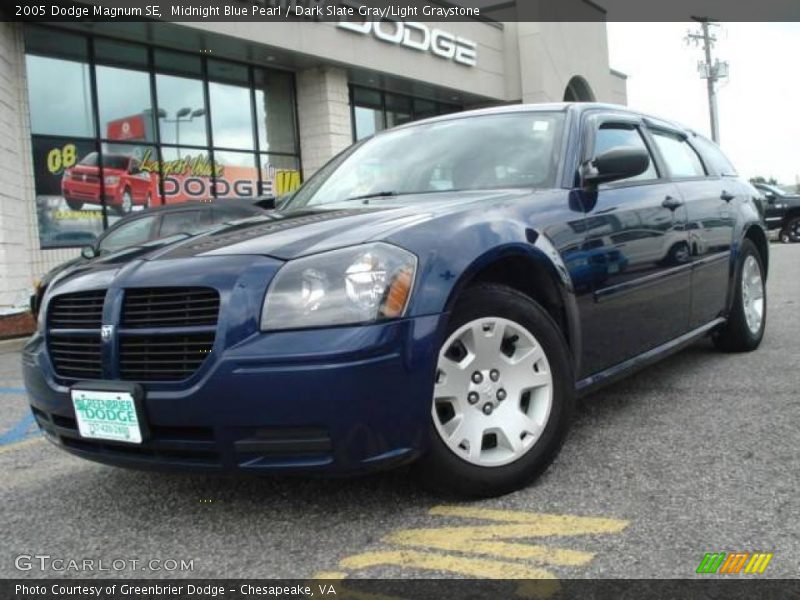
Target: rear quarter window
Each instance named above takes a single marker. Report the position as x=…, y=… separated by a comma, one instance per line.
x=713, y=156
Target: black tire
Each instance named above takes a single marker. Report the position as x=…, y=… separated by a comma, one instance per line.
x=74, y=204
x=441, y=469
x=735, y=335
x=791, y=233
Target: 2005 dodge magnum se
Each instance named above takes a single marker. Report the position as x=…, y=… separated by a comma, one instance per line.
x=440, y=292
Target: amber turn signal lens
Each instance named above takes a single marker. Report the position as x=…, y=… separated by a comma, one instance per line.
x=396, y=299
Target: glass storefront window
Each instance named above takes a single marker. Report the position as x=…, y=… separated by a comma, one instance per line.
x=375, y=110
x=280, y=174
x=181, y=110
x=231, y=117
x=398, y=110
x=59, y=95
x=187, y=174
x=193, y=137
x=124, y=104
x=237, y=175
x=117, y=53
x=130, y=178
x=275, y=119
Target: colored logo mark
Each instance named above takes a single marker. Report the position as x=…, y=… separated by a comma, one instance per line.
x=734, y=562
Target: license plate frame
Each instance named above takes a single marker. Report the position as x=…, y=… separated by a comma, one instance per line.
x=103, y=391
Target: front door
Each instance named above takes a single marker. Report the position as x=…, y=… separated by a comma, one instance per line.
x=633, y=278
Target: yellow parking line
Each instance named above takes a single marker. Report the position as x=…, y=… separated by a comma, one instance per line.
x=475, y=567
x=544, y=524
x=478, y=540
x=20, y=445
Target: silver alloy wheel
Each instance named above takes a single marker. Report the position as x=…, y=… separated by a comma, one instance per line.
x=127, y=201
x=493, y=393
x=752, y=294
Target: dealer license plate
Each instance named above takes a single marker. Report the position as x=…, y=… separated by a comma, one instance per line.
x=107, y=416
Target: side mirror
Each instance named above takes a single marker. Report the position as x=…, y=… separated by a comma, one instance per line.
x=266, y=202
x=88, y=252
x=770, y=197
x=614, y=164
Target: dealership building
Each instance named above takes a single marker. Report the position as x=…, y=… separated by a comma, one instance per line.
x=100, y=119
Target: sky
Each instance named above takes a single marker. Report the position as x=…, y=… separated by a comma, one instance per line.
x=758, y=103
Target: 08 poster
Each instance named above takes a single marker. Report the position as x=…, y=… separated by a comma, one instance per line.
x=74, y=181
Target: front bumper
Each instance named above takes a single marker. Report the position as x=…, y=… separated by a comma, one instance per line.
x=338, y=400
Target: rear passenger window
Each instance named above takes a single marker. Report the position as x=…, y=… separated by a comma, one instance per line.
x=614, y=136
x=681, y=159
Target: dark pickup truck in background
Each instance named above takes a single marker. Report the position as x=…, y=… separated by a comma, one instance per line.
x=782, y=212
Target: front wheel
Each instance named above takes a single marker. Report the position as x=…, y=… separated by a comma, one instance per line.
x=502, y=398
x=744, y=328
x=74, y=204
x=126, y=204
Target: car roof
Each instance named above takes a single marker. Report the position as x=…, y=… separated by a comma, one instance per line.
x=576, y=107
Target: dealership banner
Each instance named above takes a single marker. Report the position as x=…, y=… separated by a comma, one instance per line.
x=411, y=10
x=75, y=181
x=398, y=589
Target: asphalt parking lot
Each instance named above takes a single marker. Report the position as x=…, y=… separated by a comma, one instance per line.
x=697, y=454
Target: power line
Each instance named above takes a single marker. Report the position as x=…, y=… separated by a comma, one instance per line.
x=710, y=70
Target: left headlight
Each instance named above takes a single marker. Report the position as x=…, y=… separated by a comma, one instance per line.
x=358, y=284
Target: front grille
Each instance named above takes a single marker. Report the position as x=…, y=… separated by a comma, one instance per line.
x=76, y=356
x=81, y=310
x=153, y=355
x=170, y=307
x=163, y=357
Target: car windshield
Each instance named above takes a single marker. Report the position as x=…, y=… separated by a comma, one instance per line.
x=510, y=150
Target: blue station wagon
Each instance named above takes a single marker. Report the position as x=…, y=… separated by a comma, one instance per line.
x=438, y=294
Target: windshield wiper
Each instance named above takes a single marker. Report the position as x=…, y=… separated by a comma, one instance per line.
x=381, y=194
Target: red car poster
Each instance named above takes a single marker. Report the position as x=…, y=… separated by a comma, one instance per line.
x=75, y=179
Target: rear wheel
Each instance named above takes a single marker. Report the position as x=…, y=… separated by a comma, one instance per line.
x=791, y=233
x=502, y=398
x=744, y=328
x=74, y=204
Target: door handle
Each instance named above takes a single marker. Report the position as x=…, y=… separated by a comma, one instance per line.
x=671, y=203
x=726, y=196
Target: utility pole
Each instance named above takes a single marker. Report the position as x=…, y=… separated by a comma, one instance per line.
x=711, y=71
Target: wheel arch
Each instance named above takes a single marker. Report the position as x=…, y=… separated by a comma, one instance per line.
x=755, y=233
x=532, y=272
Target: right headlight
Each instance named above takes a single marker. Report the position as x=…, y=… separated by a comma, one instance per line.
x=359, y=284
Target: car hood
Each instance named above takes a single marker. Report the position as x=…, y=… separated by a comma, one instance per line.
x=293, y=233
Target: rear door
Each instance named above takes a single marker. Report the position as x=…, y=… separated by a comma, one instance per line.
x=634, y=292
x=710, y=200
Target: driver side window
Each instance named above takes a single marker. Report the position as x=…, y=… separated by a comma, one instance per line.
x=613, y=135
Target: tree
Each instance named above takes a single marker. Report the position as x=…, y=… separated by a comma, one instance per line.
x=760, y=179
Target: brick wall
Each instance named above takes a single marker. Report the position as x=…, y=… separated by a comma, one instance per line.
x=21, y=259
x=15, y=189
x=323, y=114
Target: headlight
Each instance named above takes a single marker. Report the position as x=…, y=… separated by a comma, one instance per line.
x=352, y=285
x=112, y=180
